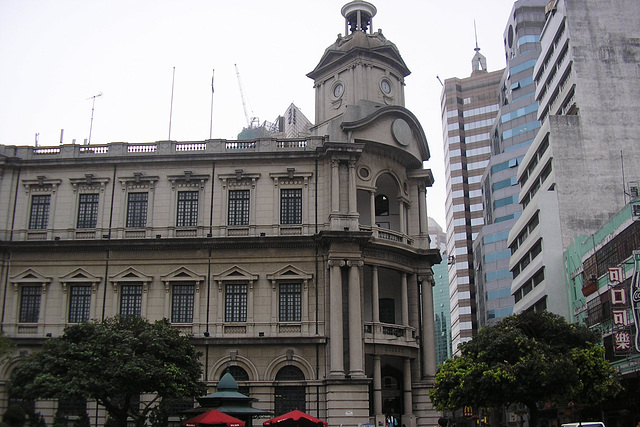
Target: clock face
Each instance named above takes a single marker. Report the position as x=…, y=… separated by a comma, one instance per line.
x=385, y=85
x=338, y=90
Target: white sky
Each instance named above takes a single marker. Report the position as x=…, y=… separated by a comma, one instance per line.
x=56, y=54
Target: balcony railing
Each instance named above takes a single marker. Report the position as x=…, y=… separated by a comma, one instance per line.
x=389, y=332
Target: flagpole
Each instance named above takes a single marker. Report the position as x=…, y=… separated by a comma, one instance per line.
x=173, y=79
x=211, y=122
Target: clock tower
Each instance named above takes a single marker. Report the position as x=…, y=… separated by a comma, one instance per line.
x=360, y=65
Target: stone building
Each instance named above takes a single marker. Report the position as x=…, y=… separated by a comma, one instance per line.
x=303, y=264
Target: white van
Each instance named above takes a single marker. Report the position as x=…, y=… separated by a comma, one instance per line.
x=585, y=424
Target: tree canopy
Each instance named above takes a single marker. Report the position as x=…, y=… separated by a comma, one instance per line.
x=113, y=361
x=527, y=358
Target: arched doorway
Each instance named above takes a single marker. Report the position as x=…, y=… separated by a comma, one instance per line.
x=290, y=393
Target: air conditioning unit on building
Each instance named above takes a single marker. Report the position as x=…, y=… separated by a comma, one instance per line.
x=634, y=189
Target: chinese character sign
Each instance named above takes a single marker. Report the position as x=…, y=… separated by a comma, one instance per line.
x=616, y=274
x=622, y=340
x=635, y=298
x=618, y=297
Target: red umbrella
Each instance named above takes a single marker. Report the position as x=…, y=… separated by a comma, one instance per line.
x=213, y=418
x=295, y=418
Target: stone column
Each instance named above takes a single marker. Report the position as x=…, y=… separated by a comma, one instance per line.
x=377, y=388
x=408, y=395
x=422, y=200
x=356, y=352
x=375, y=296
x=405, y=300
x=401, y=214
x=353, y=195
x=335, y=186
x=373, y=208
x=428, y=335
x=335, y=319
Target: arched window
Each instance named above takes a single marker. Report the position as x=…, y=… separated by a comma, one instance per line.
x=240, y=375
x=289, y=397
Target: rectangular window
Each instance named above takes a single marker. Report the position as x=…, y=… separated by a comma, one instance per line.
x=88, y=210
x=235, y=303
x=187, y=209
x=291, y=206
x=30, y=304
x=290, y=302
x=79, y=303
x=239, y=207
x=182, y=304
x=137, y=210
x=387, y=310
x=39, y=218
x=131, y=300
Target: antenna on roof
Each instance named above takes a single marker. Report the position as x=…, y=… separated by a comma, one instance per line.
x=93, y=106
x=479, y=62
x=475, y=32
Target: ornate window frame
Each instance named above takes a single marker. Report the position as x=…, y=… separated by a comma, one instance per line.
x=30, y=277
x=129, y=276
x=181, y=276
x=41, y=186
x=290, y=274
x=79, y=276
x=188, y=181
x=291, y=179
x=88, y=185
x=238, y=181
x=233, y=275
x=138, y=183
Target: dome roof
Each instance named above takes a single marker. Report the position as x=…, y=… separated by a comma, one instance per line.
x=227, y=383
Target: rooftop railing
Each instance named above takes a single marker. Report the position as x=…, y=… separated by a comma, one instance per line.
x=123, y=149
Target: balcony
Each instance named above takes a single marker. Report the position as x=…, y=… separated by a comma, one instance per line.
x=386, y=333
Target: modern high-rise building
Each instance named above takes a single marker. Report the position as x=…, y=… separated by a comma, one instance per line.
x=441, y=304
x=469, y=107
x=573, y=176
x=303, y=264
x=512, y=133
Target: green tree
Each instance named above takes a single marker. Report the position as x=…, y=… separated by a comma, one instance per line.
x=113, y=362
x=6, y=346
x=527, y=358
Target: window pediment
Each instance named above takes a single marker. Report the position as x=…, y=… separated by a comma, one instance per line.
x=289, y=273
x=41, y=184
x=30, y=277
x=80, y=275
x=138, y=181
x=182, y=274
x=291, y=177
x=235, y=274
x=130, y=275
x=239, y=179
x=88, y=183
x=188, y=180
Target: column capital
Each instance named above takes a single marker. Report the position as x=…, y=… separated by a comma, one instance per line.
x=355, y=263
x=337, y=263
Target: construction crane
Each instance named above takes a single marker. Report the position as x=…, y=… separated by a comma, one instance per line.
x=253, y=121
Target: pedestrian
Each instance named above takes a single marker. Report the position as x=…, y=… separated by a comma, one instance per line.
x=442, y=422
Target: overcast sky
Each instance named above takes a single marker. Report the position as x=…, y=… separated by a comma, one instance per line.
x=57, y=54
